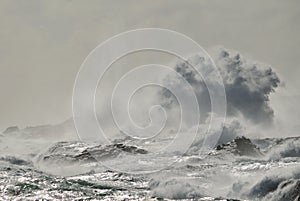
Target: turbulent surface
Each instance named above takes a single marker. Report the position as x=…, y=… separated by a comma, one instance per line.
x=46, y=162
x=243, y=169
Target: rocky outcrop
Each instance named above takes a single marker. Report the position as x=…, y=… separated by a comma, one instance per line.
x=241, y=146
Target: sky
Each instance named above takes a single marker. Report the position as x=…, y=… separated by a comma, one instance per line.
x=43, y=44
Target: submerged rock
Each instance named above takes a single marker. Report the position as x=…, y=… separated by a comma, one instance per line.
x=14, y=160
x=67, y=152
x=11, y=129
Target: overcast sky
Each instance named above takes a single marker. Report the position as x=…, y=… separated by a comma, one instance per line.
x=43, y=43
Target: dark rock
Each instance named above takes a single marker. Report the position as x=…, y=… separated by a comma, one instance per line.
x=241, y=146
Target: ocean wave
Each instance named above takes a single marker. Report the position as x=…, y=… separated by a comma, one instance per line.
x=284, y=149
x=175, y=188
